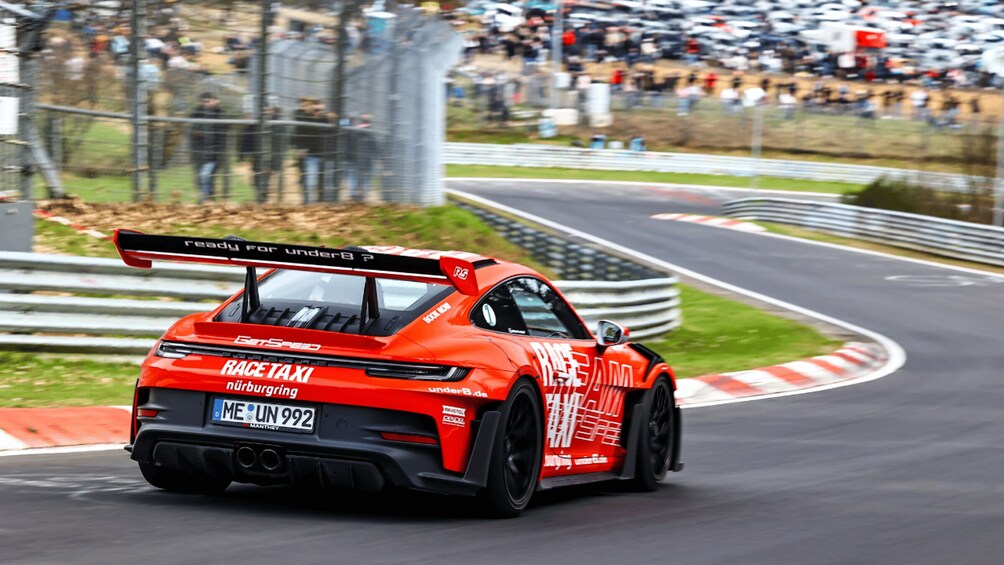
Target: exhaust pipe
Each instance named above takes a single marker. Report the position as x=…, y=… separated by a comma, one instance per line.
x=246, y=457
x=270, y=460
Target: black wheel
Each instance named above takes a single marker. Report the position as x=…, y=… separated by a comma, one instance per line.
x=175, y=481
x=655, y=442
x=517, y=455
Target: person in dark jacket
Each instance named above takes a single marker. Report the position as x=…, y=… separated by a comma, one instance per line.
x=265, y=161
x=208, y=142
x=360, y=157
x=310, y=140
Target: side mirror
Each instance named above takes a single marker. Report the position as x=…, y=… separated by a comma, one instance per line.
x=610, y=333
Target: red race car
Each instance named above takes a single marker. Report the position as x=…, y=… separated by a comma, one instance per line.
x=362, y=368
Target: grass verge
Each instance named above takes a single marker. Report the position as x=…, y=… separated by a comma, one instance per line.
x=719, y=335
x=440, y=227
x=772, y=183
x=30, y=380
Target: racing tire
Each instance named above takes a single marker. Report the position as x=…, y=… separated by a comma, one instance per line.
x=517, y=454
x=655, y=442
x=175, y=481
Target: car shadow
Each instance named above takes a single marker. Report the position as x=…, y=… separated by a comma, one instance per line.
x=393, y=504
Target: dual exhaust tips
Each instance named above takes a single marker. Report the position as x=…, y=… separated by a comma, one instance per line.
x=258, y=459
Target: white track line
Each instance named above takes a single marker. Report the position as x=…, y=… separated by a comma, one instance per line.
x=897, y=357
x=925, y=262
x=8, y=441
x=790, y=193
x=705, y=187
x=62, y=450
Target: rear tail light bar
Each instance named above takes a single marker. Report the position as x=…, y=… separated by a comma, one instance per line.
x=372, y=367
x=410, y=438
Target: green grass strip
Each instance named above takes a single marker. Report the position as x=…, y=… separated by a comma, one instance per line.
x=771, y=183
x=41, y=380
x=719, y=335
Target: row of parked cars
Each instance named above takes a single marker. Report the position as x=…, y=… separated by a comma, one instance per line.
x=939, y=34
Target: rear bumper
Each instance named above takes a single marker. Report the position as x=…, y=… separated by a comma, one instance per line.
x=346, y=450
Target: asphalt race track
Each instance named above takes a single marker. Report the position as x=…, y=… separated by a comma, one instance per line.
x=906, y=469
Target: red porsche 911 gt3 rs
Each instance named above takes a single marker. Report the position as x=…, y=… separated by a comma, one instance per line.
x=364, y=368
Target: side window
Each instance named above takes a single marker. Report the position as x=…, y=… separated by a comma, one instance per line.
x=498, y=312
x=545, y=313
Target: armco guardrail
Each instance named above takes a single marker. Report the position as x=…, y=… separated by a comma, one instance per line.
x=41, y=307
x=962, y=240
x=535, y=155
x=599, y=283
x=59, y=319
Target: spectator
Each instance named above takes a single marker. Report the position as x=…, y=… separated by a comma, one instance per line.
x=309, y=140
x=709, y=82
x=637, y=143
x=919, y=101
x=950, y=111
x=360, y=158
x=208, y=143
x=264, y=162
x=730, y=100
x=737, y=81
x=693, y=50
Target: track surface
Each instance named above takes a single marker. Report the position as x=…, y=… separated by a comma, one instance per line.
x=906, y=469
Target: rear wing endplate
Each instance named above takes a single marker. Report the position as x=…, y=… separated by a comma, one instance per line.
x=139, y=250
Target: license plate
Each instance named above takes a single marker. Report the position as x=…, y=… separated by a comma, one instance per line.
x=263, y=415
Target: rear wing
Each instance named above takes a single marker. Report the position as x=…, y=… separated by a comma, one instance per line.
x=138, y=250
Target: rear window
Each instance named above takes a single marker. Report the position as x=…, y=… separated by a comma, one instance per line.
x=334, y=302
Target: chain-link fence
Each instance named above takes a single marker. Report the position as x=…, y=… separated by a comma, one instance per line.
x=155, y=100
x=11, y=91
x=21, y=37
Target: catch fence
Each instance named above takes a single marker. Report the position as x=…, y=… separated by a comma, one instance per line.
x=245, y=102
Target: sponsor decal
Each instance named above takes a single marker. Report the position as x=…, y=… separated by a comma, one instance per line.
x=585, y=395
x=225, y=245
x=276, y=343
x=237, y=247
x=266, y=370
x=344, y=255
x=249, y=387
x=458, y=391
x=489, y=313
x=455, y=416
x=558, y=461
x=431, y=316
x=561, y=460
x=594, y=460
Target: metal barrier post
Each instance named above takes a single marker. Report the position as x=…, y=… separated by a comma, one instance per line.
x=998, y=219
x=140, y=98
x=756, y=143
x=264, y=157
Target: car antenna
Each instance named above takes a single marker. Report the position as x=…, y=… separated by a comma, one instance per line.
x=250, y=302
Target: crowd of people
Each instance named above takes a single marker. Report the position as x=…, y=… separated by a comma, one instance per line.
x=684, y=90
x=311, y=144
